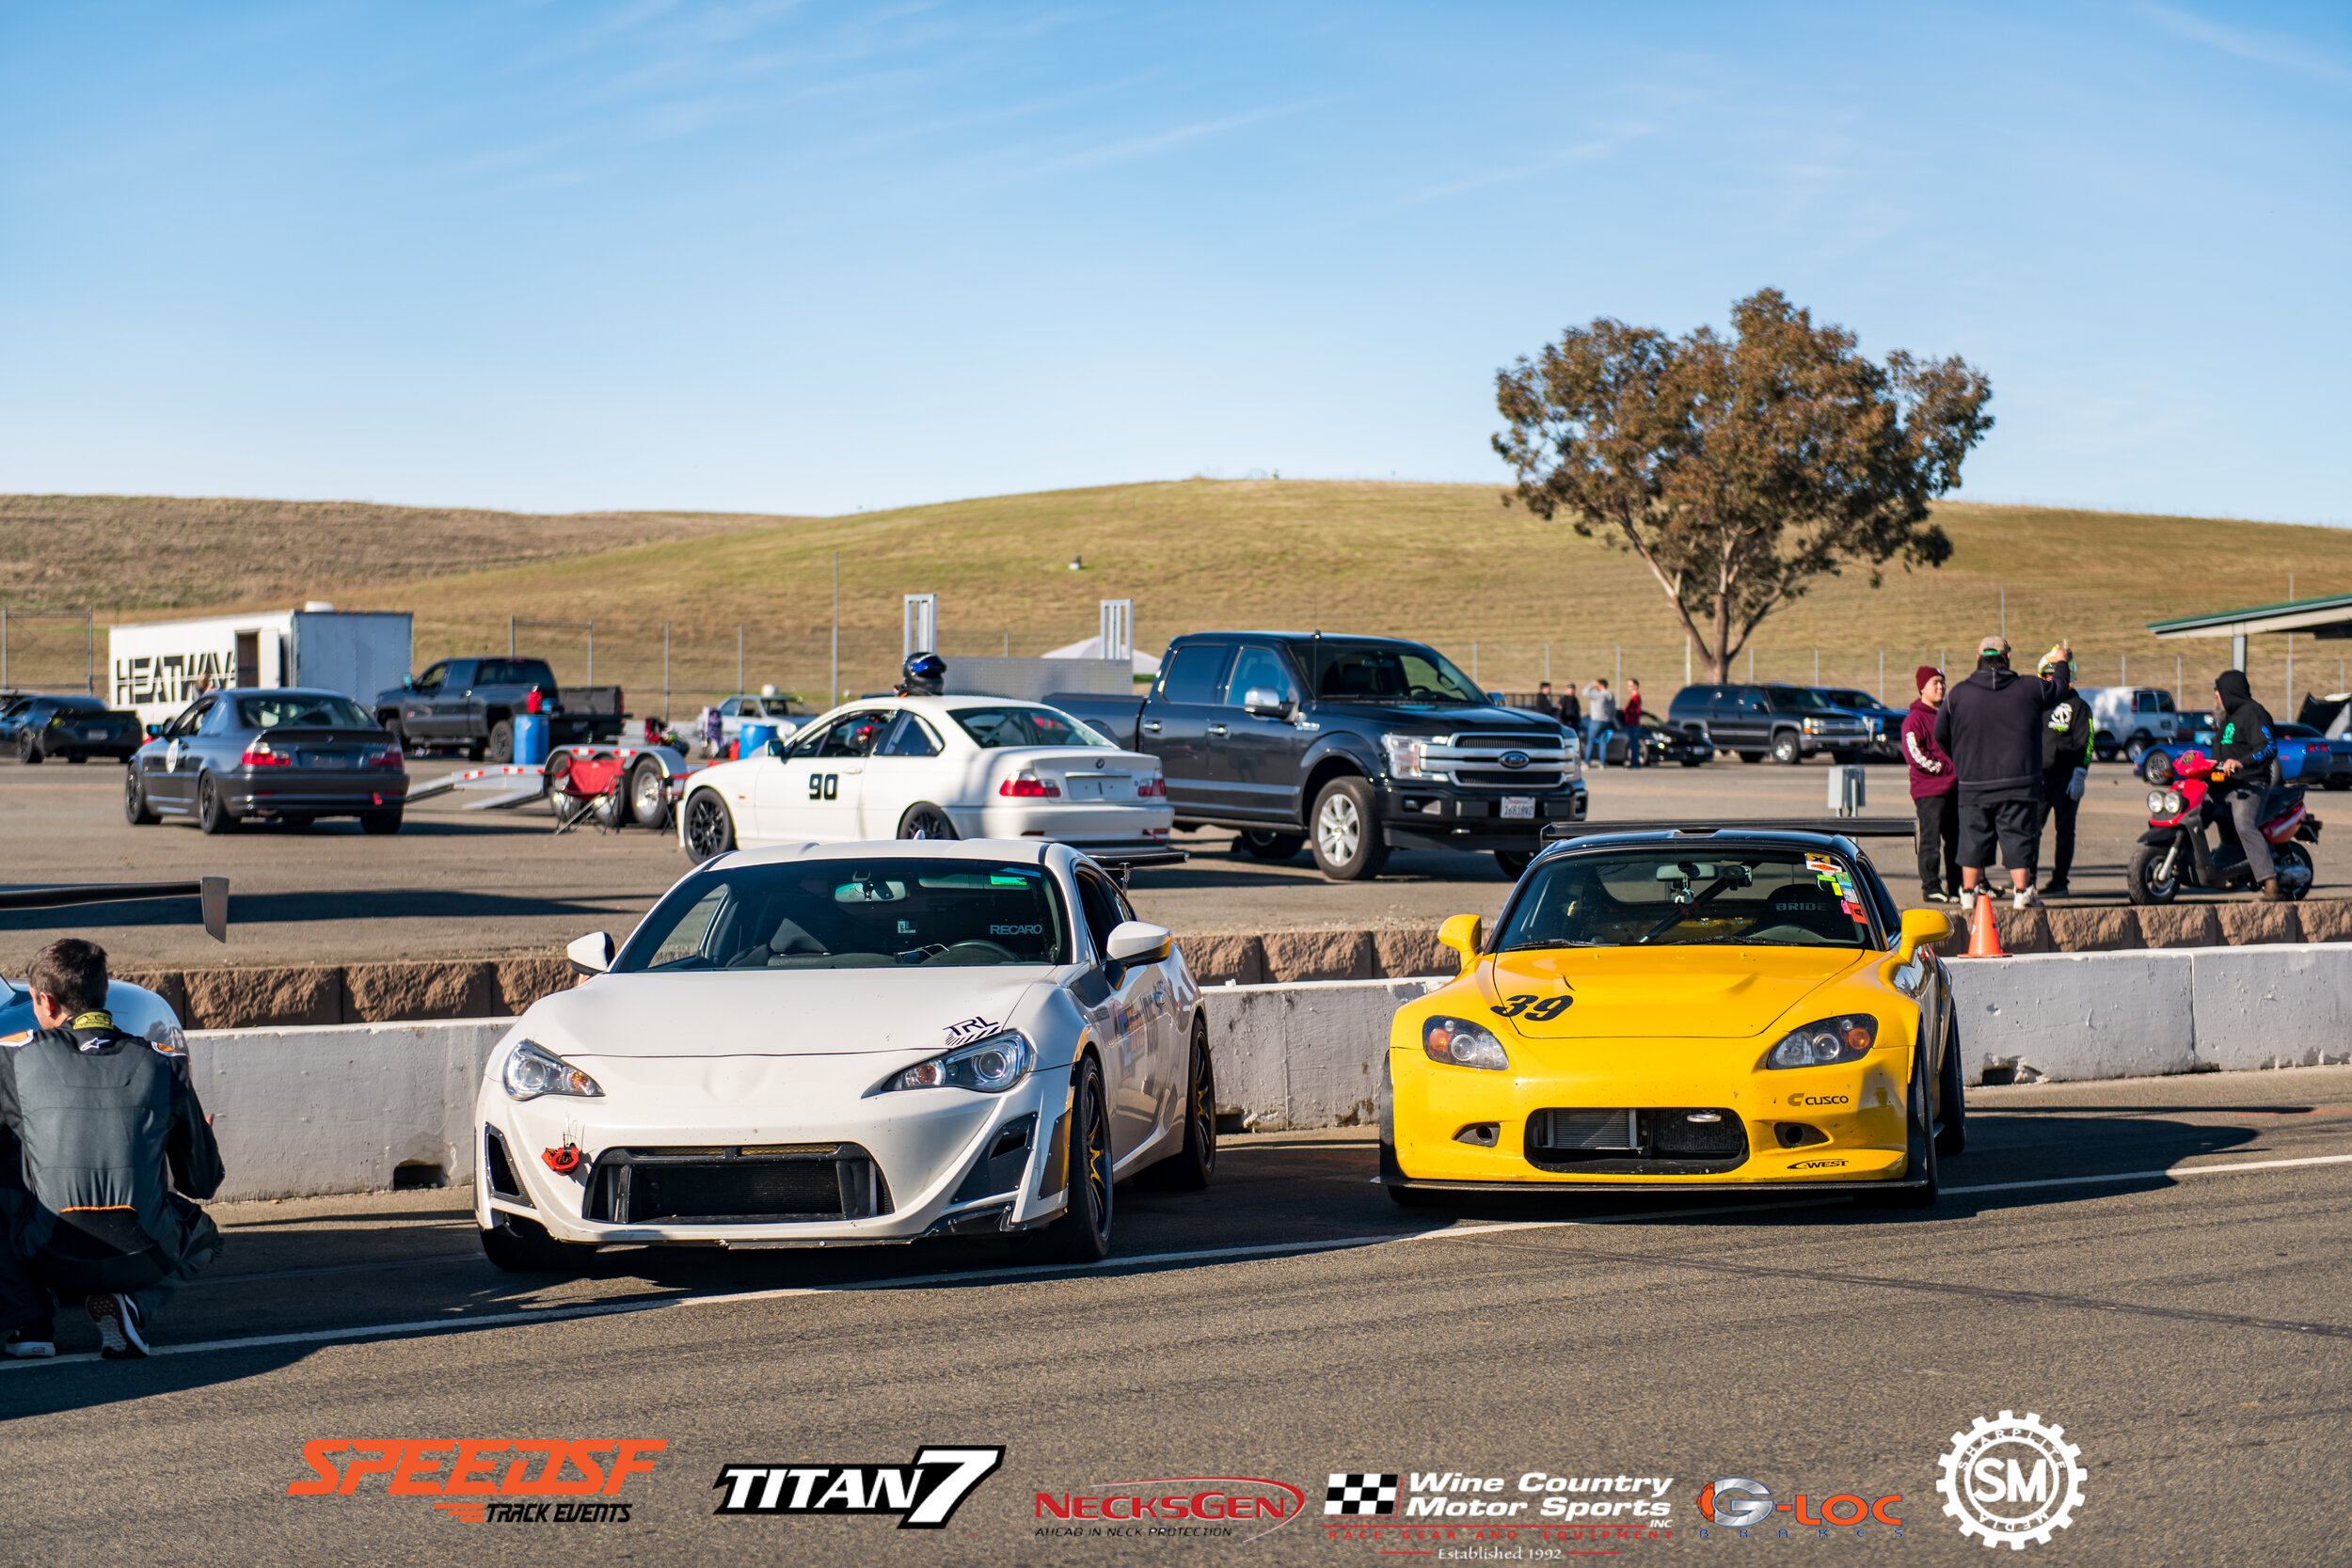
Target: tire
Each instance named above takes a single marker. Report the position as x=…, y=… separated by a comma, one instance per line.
x=523, y=1246
x=2140, y=883
x=2285, y=855
x=2135, y=748
x=1751, y=757
x=1845, y=759
x=1922, y=1141
x=1260, y=844
x=135, y=811
x=649, y=795
x=2102, y=746
x=1083, y=1234
x=379, y=822
x=1514, y=862
x=1347, y=840
x=1785, y=751
x=475, y=752
x=1693, y=762
x=1192, y=1167
x=211, y=814
x=1951, y=1128
x=709, y=827
x=2156, y=768
x=925, y=820
x=502, y=742
x=28, y=750
x=78, y=758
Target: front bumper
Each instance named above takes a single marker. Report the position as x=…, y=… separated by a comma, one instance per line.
x=1418, y=814
x=940, y=1156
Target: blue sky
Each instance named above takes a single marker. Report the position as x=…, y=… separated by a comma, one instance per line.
x=812, y=257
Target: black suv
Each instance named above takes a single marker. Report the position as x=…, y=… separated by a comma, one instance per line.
x=1788, y=723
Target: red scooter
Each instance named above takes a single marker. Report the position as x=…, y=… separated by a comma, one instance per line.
x=2173, y=852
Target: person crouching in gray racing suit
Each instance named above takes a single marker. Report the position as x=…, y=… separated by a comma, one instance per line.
x=106, y=1126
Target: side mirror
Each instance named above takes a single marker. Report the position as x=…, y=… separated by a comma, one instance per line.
x=591, y=953
x=1138, y=942
x=153, y=730
x=1463, y=933
x=773, y=749
x=1262, y=703
x=1921, y=929
x=408, y=682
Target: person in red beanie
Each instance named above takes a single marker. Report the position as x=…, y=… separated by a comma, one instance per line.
x=1934, y=791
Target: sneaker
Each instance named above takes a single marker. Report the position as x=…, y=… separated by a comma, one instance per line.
x=2058, y=890
x=21, y=1345
x=2025, y=898
x=117, y=1320
x=1967, y=900
x=1939, y=897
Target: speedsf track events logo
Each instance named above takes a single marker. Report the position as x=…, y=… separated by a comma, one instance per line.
x=494, y=1480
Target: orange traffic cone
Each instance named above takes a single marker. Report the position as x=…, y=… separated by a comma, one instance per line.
x=1984, y=941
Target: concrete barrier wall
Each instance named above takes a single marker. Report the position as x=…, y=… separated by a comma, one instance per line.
x=340, y=1108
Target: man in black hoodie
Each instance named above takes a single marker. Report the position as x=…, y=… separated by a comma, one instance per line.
x=1991, y=725
x=2245, y=749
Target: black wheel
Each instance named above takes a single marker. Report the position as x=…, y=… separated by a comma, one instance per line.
x=1751, y=757
x=649, y=795
x=2135, y=748
x=1693, y=762
x=1922, y=1142
x=1784, y=747
x=28, y=750
x=1191, y=1167
x=78, y=758
x=709, y=827
x=379, y=822
x=2102, y=746
x=1951, y=1122
x=135, y=811
x=1514, y=862
x=210, y=814
x=502, y=741
x=1083, y=1234
x=2141, y=882
x=2295, y=870
x=925, y=820
x=2156, y=768
x=523, y=1246
x=1348, y=843
x=1260, y=844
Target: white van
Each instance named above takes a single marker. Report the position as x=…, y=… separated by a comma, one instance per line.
x=2130, y=719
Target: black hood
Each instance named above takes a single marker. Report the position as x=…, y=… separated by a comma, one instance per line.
x=2233, y=689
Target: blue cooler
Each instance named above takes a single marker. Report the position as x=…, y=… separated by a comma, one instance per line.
x=752, y=739
x=531, y=739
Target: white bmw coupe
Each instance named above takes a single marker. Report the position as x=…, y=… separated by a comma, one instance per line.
x=833, y=1045
x=934, y=767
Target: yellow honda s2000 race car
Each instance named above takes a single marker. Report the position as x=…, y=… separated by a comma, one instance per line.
x=1727, y=1009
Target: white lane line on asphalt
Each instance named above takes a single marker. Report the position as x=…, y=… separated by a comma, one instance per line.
x=608, y=1309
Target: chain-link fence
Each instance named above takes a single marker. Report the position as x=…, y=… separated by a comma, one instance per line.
x=51, y=650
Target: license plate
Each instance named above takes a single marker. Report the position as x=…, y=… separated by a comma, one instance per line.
x=1079, y=789
x=1521, y=806
x=325, y=759
x=93, y=735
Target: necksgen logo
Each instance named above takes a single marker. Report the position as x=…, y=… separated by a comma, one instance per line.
x=924, y=1495
x=465, y=1473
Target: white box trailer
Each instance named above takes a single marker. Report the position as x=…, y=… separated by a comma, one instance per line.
x=158, y=667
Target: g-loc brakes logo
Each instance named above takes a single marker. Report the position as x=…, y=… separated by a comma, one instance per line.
x=924, y=1495
x=1988, y=1490
x=1738, y=1502
x=534, y=1468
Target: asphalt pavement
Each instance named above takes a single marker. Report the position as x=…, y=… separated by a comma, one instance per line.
x=2160, y=1267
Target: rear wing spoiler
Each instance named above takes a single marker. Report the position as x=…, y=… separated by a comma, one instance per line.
x=211, y=893
x=1119, y=863
x=1852, y=827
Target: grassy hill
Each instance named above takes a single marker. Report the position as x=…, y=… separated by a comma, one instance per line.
x=1444, y=563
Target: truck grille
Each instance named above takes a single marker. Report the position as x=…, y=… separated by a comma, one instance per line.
x=1475, y=760
x=1614, y=1142
x=760, y=1185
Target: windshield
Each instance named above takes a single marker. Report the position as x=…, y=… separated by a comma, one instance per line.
x=1392, y=675
x=991, y=728
x=1680, y=897
x=1851, y=699
x=306, y=710
x=1797, y=697
x=878, y=913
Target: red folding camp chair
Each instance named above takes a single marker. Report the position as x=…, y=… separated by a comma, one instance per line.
x=586, y=786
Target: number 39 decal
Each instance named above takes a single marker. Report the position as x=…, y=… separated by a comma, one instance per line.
x=824, y=786
x=1542, y=1012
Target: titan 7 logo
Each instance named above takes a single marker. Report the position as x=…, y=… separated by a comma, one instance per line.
x=924, y=1495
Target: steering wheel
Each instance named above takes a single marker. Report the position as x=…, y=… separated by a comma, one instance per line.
x=1004, y=955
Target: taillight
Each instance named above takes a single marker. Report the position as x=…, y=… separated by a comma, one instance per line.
x=1154, y=787
x=1027, y=786
x=259, y=755
x=388, y=757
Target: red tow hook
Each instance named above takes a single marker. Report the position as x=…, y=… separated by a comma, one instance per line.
x=561, y=1161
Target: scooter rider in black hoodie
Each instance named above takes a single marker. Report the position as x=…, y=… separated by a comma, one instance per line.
x=1991, y=726
x=2244, y=750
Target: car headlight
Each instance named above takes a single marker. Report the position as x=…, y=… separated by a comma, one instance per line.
x=531, y=1069
x=1407, y=752
x=1825, y=1044
x=1458, y=1043
x=1813, y=726
x=990, y=1066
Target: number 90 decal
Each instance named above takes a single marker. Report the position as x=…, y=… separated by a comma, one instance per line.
x=1541, y=1012
x=824, y=786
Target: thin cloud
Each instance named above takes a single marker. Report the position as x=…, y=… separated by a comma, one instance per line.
x=2261, y=49
x=1581, y=152
x=1162, y=141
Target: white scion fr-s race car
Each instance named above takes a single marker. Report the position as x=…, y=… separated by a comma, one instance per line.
x=932, y=767
x=829, y=1045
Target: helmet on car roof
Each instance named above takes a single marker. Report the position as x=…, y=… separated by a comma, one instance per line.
x=924, y=676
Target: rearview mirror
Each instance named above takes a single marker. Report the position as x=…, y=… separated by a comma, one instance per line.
x=1262, y=703
x=1464, y=933
x=591, y=953
x=1138, y=942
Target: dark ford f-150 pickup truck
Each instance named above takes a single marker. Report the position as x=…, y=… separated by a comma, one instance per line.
x=473, y=702
x=1357, y=745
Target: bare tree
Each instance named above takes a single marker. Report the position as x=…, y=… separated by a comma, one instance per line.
x=1741, y=468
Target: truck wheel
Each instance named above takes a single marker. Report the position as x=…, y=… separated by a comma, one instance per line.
x=2102, y=745
x=649, y=796
x=210, y=814
x=1784, y=747
x=502, y=741
x=135, y=811
x=709, y=827
x=2136, y=747
x=1514, y=862
x=1260, y=845
x=1348, y=843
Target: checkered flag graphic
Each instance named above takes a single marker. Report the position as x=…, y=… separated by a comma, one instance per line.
x=1360, y=1494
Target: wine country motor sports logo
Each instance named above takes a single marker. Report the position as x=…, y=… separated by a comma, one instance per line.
x=922, y=1495
x=2011, y=1480
x=1356, y=1493
x=1241, y=1507
x=495, y=1481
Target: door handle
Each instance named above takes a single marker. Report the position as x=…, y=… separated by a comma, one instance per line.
x=1217, y=729
x=1152, y=727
